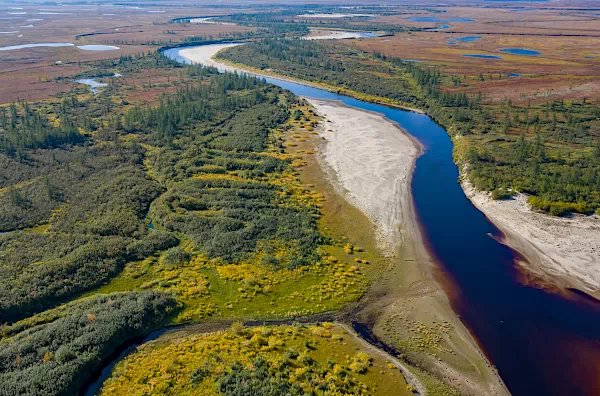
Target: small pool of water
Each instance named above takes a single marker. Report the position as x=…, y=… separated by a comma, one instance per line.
x=482, y=56
x=467, y=39
x=95, y=47
x=367, y=34
x=438, y=28
x=451, y=43
x=412, y=60
x=521, y=51
x=589, y=56
x=23, y=46
x=93, y=84
x=514, y=75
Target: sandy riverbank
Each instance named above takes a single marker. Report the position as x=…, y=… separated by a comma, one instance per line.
x=566, y=250
x=204, y=55
x=370, y=161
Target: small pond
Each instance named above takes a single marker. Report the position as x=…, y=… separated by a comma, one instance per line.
x=95, y=47
x=23, y=46
x=467, y=39
x=438, y=28
x=521, y=51
x=93, y=84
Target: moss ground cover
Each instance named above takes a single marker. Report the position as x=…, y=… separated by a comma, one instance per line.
x=297, y=360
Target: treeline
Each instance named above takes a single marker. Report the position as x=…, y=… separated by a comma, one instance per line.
x=309, y=60
x=290, y=21
x=55, y=352
x=22, y=128
x=505, y=141
x=191, y=104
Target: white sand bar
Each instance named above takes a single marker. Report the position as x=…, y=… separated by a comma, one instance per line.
x=565, y=249
x=371, y=161
x=204, y=55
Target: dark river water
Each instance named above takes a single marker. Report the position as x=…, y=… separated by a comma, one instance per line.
x=543, y=342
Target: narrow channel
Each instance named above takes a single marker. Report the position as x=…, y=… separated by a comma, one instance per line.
x=543, y=342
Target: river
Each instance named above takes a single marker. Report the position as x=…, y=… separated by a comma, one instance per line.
x=543, y=341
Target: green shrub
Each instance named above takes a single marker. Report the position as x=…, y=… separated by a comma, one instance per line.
x=56, y=353
x=502, y=193
x=176, y=256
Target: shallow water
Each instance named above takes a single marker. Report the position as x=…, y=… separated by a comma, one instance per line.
x=544, y=342
x=438, y=28
x=22, y=46
x=521, y=51
x=467, y=39
x=93, y=84
x=96, y=47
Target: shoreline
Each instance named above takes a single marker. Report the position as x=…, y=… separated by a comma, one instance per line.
x=407, y=249
x=194, y=54
x=365, y=154
x=409, y=284
x=562, y=250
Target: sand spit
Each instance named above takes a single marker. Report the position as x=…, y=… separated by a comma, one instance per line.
x=204, y=56
x=371, y=161
x=567, y=250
